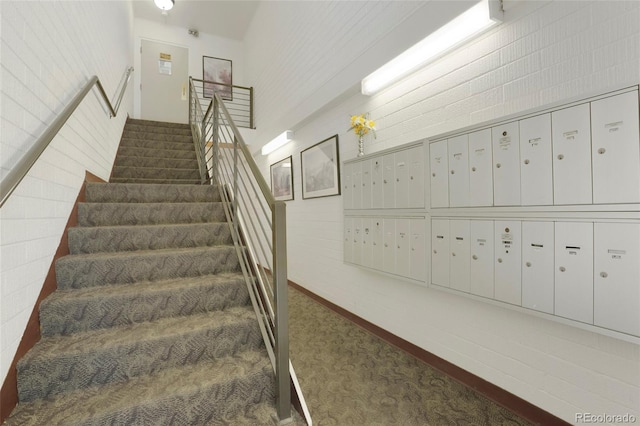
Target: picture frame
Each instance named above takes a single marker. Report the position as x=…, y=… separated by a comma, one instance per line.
x=220, y=71
x=282, y=179
x=320, y=165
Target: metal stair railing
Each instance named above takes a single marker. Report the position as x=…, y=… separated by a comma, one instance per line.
x=258, y=225
x=22, y=167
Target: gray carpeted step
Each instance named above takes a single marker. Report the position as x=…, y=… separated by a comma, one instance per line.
x=132, y=151
x=71, y=311
x=153, y=144
x=100, y=239
x=156, y=181
x=153, y=123
x=209, y=393
x=67, y=363
x=154, y=173
x=145, y=128
x=167, y=137
x=145, y=193
x=179, y=163
x=107, y=214
x=88, y=270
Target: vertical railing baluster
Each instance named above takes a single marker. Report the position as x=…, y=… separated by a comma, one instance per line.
x=280, y=283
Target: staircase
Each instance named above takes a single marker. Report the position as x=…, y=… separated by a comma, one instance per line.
x=151, y=322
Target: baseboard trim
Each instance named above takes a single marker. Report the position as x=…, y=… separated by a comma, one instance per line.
x=9, y=390
x=496, y=394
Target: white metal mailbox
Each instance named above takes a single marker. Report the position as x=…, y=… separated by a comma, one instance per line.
x=438, y=161
x=377, y=242
x=617, y=277
x=481, y=234
x=459, y=278
x=507, y=243
x=506, y=164
x=366, y=184
x=348, y=240
x=571, y=140
x=403, y=247
x=367, y=240
x=388, y=181
x=389, y=243
x=440, y=252
x=418, y=255
x=416, y=176
x=480, y=169
x=536, y=179
x=377, y=199
x=615, y=149
x=574, y=271
x=537, y=266
x=458, y=153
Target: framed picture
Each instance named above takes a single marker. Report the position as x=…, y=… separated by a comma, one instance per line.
x=282, y=179
x=321, y=169
x=218, y=70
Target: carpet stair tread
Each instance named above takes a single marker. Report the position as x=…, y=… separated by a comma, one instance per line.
x=109, y=214
x=133, y=151
x=180, y=163
x=70, y=311
x=98, y=239
x=156, y=181
x=61, y=364
x=166, y=137
x=154, y=172
x=200, y=394
x=88, y=270
x=150, y=193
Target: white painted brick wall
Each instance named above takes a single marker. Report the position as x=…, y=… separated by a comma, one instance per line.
x=544, y=52
x=49, y=50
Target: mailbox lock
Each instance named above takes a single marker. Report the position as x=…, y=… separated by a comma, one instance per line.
x=562, y=269
x=498, y=165
x=604, y=274
x=499, y=260
x=473, y=169
x=528, y=264
x=506, y=230
x=474, y=257
x=385, y=181
x=397, y=179
x=560, y=157
x=453, y=254
x=435, y=252
x=433, y=174
x=504, y=133
x=526, y=161
x=453, y=172
x=411, y=178
x=602, y=151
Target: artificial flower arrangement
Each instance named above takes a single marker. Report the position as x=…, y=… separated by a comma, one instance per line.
x=362, y=125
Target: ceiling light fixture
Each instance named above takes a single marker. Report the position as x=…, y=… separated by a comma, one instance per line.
x=164, y=5
x=465, y=26
x=277, y=142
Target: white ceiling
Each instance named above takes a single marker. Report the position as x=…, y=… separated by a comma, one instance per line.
x=225, y=18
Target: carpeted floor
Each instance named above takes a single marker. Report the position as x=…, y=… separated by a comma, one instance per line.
x=351, y=377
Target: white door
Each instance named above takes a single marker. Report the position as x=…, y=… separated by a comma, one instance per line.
x=165, y=82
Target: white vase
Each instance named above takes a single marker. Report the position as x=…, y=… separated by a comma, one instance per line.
x=360, y=146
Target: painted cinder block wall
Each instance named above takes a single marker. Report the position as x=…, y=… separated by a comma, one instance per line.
x=49, y=51
x=544, y=52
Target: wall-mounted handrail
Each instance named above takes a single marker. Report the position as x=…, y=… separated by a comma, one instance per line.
x=20, y=170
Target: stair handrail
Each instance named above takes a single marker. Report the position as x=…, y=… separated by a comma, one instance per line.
x=228, y=161
x=22, y=167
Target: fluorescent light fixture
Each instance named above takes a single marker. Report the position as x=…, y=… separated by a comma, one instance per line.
x=276, y=143
x=164, y=4
x=465, y=26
